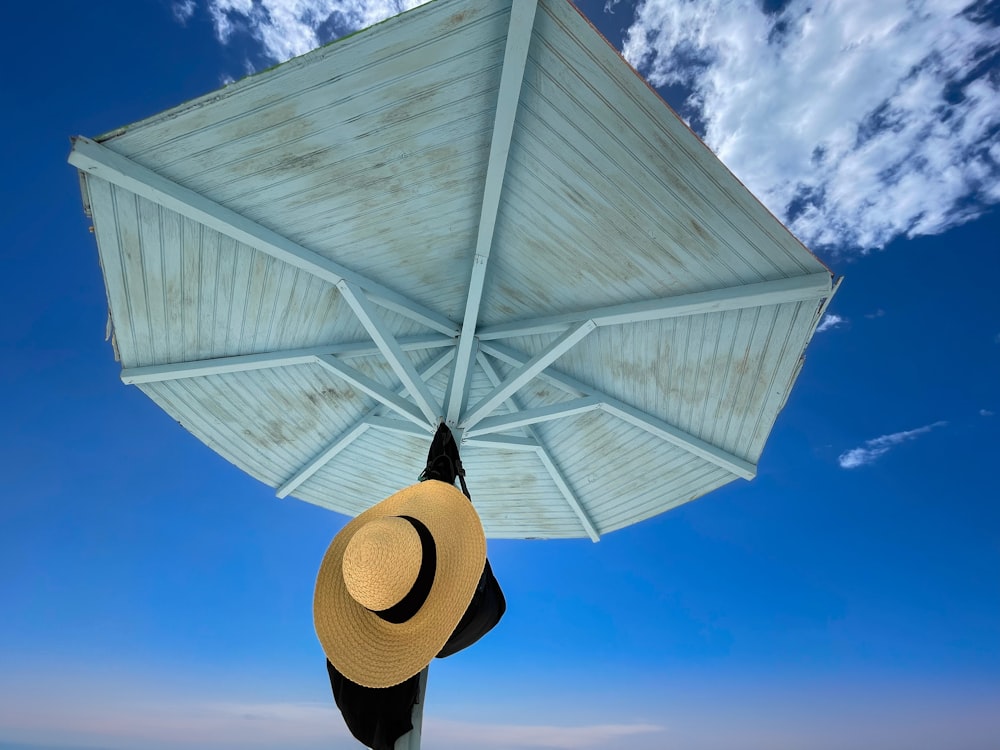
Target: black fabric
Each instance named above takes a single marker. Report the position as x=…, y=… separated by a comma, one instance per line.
x=443, y=461
x=377, y=717
x=484, y=612
x=410, y=604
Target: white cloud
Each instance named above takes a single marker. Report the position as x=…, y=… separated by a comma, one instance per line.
x=829, y=321
x=985, y=413
x=877, y=314
x=855, y=121
x=873, y=449
x=286, y=28
x=183, y=10
x=461, y=734
x=167, y=724
x=174, y=723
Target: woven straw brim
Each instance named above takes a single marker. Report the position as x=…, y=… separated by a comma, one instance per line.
x=365, y=648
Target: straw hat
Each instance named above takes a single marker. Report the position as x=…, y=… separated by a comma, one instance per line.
x=369, y=609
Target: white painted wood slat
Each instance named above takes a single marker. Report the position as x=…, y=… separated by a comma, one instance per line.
x=96, y=159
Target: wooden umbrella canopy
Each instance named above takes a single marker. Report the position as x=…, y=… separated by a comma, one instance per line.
x=473, y=212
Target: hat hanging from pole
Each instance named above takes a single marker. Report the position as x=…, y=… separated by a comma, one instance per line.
x=395, y=582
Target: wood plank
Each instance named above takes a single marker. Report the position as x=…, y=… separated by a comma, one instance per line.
x=601, y=179
x=189, y=305
x=573, y=130
x=664, y=145
x=134, y=275
x=340, y=137
x=91, y=157
x=348, y=72
x=106, y=233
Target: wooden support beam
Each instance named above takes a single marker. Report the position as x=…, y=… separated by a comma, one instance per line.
x=286, y=358
x=555, y=473
x=658, y=427
x=526, y=372
x=812, y=286
x=522, y=20
x=391, y=350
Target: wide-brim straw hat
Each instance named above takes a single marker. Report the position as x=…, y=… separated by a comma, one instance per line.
x=380, y=567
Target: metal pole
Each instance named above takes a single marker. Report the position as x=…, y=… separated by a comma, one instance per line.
x=411, y=740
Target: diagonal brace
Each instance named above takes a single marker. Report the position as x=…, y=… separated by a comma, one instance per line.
x=526, y=372
x=371, y=419
x=374, y=389
x=391, y=350
x=694, y=445
x=327, y=455
x=526, y=417
x=547, y=461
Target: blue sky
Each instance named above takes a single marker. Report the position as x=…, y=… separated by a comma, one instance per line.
x=155, y=596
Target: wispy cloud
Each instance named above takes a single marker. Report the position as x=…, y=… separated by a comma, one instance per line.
x=177, y=723
x=829, y=321
x=171, y=724
x=183, y=10
x=463, y=734
x=286, y=28
x=985, y=413
x=877, y=314
x=857, y=122
x=873, y=449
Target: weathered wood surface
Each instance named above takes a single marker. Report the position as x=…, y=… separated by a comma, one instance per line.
x=226, y=225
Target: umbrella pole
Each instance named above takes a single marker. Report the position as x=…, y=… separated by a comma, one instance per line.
x=411, y=740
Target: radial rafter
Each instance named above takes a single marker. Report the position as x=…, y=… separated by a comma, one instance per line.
x=265, y=360
x=795, y=289
x=522, y=19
